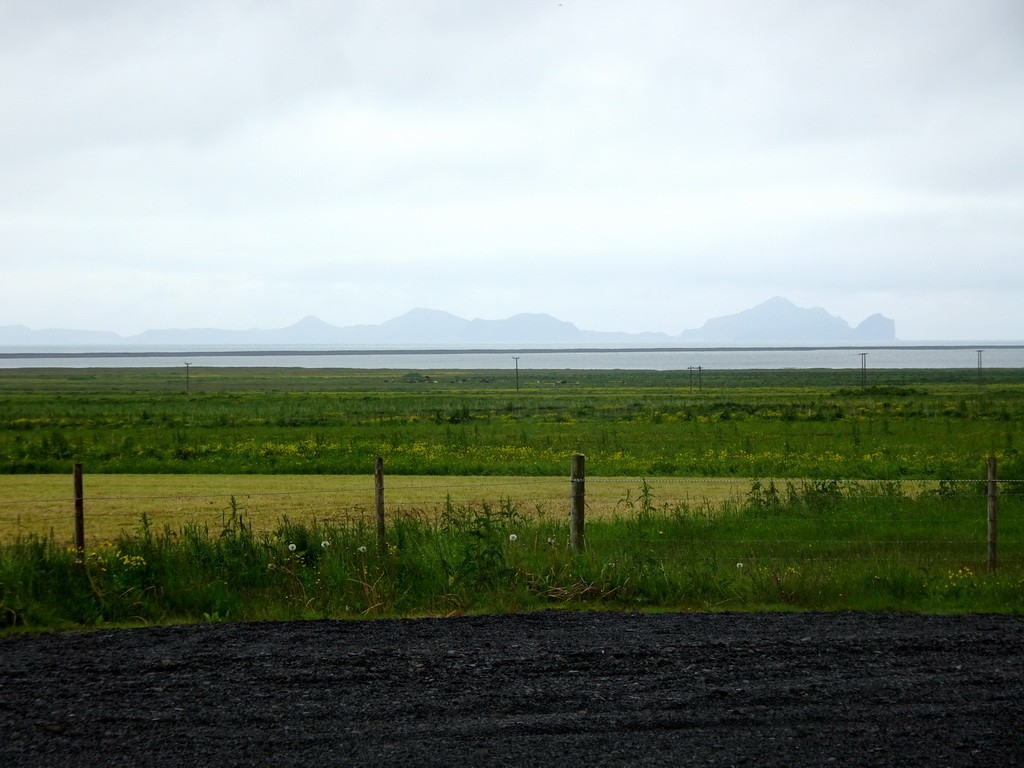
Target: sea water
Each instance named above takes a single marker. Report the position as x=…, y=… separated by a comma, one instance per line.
x=959, y=354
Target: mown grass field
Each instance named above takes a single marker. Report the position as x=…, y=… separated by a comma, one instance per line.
x=43, y=504
x=250, y=496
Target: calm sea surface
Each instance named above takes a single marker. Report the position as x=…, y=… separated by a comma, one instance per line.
x=959, y=354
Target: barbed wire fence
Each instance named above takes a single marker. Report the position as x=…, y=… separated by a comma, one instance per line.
x=839, y=534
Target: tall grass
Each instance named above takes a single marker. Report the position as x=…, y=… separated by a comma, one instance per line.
x=810, y=545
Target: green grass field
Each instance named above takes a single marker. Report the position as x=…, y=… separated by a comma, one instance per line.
x=759, y=490
x=806, y=546
x=790, y=424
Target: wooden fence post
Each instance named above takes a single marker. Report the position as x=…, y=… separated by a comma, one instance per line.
x=578, y=496
x=79, y=516
x=992, y=513
x=378, y=478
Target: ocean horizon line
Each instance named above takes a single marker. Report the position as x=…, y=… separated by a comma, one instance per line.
x=35, y=351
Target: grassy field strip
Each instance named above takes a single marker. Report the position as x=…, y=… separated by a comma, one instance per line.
x=113, y=503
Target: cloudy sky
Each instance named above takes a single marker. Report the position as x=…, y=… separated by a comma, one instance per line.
x=634, y=166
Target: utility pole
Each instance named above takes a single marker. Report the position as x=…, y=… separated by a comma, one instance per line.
x=517, y=371
x=863, y=370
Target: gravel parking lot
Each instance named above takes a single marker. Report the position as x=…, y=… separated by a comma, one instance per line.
x=548, y=688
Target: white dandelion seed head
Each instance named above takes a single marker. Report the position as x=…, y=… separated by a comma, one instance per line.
x=739, y=565
x=271, y=566
x=512, y=537
x=551, y=542
x=325, y=544
x=292, y=547
x=363, y=550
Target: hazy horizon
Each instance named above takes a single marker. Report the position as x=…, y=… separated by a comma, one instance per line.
x=898, y=340
x=639, y=167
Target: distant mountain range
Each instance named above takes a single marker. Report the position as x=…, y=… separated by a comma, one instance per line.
x=776, y=321
x=779, y=320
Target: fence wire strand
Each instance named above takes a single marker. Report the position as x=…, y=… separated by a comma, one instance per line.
x=925, y=486
x=686, y=502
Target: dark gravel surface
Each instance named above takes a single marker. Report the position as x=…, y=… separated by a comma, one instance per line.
x=550, y=688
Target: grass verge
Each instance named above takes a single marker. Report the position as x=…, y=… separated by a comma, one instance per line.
x=801, y=546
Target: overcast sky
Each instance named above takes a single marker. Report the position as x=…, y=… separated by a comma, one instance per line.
x=634, y=166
